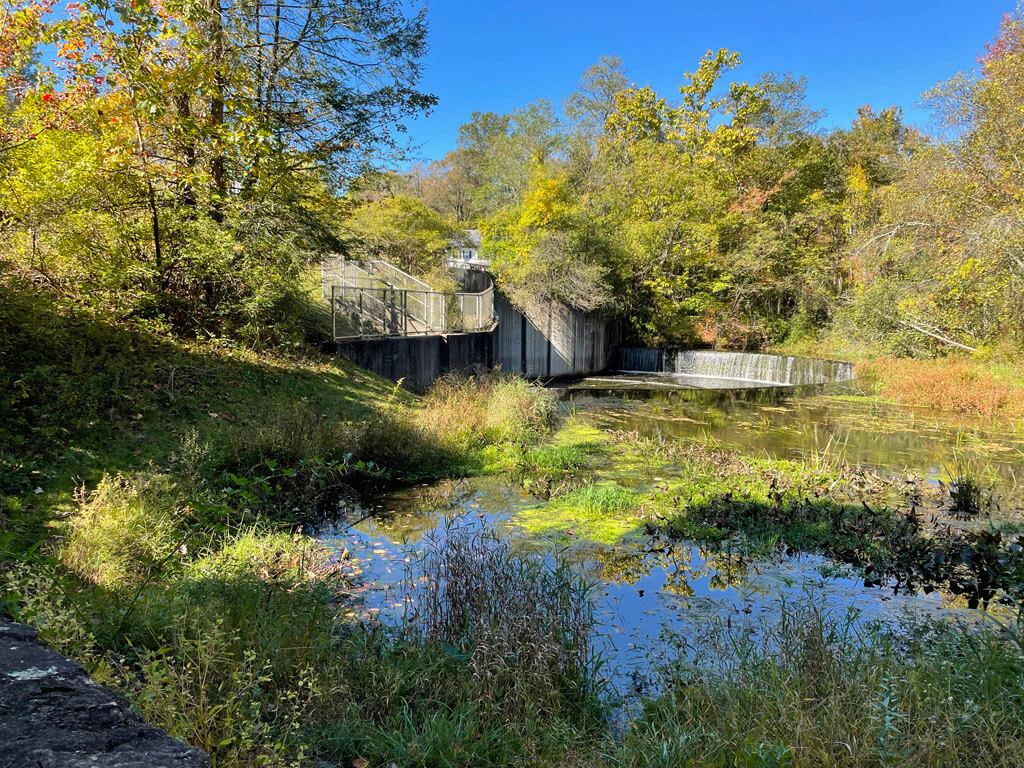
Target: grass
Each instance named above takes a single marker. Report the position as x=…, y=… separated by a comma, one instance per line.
x=121, y=531
x=813, y=688
x=989, y=383
x=959, y=384
x=759, y=507
x=153, y=494
x=152, y=490
x=601, y=512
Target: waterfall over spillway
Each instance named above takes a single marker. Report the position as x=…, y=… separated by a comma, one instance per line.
x=779, y=370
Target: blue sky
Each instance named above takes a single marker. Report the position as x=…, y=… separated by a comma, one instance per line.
x=499, y=55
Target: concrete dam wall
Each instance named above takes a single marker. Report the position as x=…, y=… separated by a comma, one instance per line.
x=785, y=370
x=551, y=341
x=418, y=361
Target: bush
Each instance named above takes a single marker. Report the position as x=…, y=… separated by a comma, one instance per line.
x=122, y=530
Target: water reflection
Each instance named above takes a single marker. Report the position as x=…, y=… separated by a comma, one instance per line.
x=650, y=586
x=795, y=422
x=643, y=590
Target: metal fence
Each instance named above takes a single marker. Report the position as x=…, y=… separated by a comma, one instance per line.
x=377, y=299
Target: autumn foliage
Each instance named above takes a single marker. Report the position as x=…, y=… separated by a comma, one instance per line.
x=954, y=384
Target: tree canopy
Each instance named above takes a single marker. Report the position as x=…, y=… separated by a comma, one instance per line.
x=724, y=215
x=178, y=162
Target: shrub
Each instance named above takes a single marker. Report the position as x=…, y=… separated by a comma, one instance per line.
x=122, y=530
x=202, y=690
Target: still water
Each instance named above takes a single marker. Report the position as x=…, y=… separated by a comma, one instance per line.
x=646, y=586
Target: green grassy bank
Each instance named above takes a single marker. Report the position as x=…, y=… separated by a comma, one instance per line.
x=154, y=491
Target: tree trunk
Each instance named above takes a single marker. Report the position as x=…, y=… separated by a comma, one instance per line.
x=218, y=171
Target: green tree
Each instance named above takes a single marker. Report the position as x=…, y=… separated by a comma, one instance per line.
x=222, y=131
x=401, y=230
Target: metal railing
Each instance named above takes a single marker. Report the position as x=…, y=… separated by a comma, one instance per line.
x=377, y=299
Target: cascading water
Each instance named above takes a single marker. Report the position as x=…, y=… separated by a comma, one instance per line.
x=772, y=370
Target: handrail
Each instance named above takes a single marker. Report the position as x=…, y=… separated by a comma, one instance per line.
x=402, y=274
x=378, y=307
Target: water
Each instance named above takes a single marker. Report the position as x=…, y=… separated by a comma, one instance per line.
x=793, y=423
x=647, y=586
x=741, y=369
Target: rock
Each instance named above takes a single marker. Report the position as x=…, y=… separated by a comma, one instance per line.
x=52, y=715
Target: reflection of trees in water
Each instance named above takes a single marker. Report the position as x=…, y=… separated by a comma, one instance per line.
x=623, y=566
x=869, y=433
x=405, y=516
x=727, y=569
x=682, y=567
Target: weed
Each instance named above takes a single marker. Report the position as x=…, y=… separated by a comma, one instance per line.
x=521, y=625
x=122, y=530
x=954, y=383
x=814, y=688
x=603, y=499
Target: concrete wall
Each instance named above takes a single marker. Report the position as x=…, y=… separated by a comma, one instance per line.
x=420, y=360
x=554, y=340
x=52, y=715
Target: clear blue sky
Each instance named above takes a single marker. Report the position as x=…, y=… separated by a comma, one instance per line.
x=498, y=54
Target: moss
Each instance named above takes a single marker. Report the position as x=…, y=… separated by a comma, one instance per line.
x=605, y=513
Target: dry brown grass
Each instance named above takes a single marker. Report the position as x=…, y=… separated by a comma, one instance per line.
x=954, y=384
x=486, y=409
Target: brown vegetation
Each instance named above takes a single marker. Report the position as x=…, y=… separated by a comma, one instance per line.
x=956, y=384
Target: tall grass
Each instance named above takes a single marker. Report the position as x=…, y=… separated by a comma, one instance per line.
x=955, y=384
x=484, y=409
x=443, y=434
x=603, y=499
x=815, y=688
x=521, y=624
x=492, y=667
x=123, y=530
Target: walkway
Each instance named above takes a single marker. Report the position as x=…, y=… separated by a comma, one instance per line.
x=372, y=299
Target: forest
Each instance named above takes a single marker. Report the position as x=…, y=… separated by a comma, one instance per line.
x=724, y=216
x=188, y=188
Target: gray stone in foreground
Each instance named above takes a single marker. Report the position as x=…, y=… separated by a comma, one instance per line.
x=52, y=715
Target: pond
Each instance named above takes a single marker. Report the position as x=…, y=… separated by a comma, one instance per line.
x=649, y=586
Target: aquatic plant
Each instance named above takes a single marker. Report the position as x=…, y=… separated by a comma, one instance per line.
x=521, y=624
x=813, y=686
x=969, y=496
